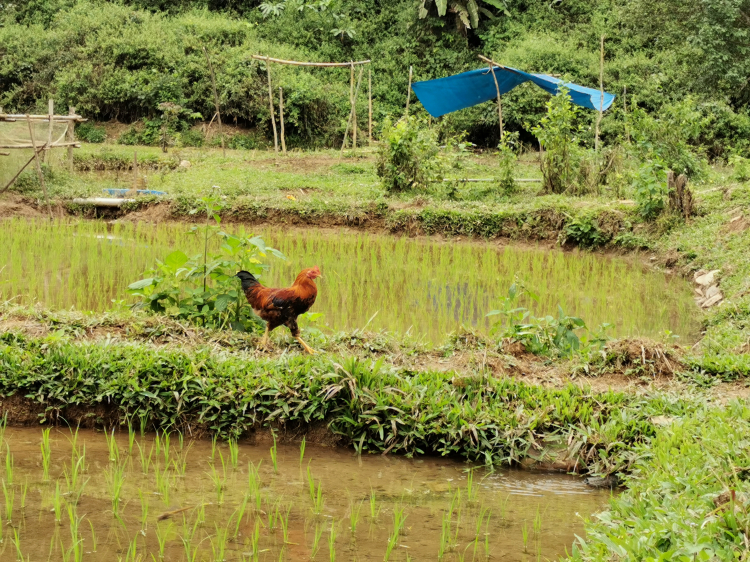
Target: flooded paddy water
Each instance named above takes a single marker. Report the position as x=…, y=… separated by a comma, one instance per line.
x=424, y=287
x=72, y=496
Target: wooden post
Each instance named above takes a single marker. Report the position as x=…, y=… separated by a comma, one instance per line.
x=216, y=99
x=39, y=167
x=408, y=91
x=281, y=119
x=135, y=170
x=46, y=156
x=499, y=104
x=625, y=112
x=353, y=114
x=601, y=93
x=270, y=103
x=70, y=135
x=369, y=105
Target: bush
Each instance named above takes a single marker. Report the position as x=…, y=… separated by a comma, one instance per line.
x=191, y=138
x=246, y=141
x=741, y=168
x=89, y=132
x=557, y=137
x=409, y=156
x=651, y=189
x=508, y=150
x=584, y=231
x=202, y=288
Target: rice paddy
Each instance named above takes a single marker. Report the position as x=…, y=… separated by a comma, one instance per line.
x=422, y=287
x=131, y=497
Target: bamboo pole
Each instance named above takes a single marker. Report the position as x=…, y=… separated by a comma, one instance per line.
x=216, y=100
x=499, y=103
x=51, y=116
x=39, y=169
x=625, y=112
x=270, y=103
x=601, y=93
x=74, y=144
x=354, y=111
x=12, y=181
x=408, y=90
x=348, y=123
x=135, y=170
x=70, y=133
x=321, y=64
x=281, y=119
x=369, y=105
x=44, y=118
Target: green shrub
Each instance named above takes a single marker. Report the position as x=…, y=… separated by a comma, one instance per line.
x=191, y=137
x=584, y=231
x=203, y=288
x=740, y=168
x=409, y=156
x=89, y=132
x=544, y=335
x=556, y=133
x=508, y=152
x=245, y=141
x=650, y=189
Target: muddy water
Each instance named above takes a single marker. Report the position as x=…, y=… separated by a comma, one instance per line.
x=531, y=516
x=424, y=287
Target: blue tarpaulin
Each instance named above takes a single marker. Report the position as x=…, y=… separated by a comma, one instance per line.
x=445, y=95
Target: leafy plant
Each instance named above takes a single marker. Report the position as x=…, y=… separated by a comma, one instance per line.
x=556, y=133
x=650, y=189
x=542, y=335
x=410, y=157
x=90, y=132
x=740, y=167
x=508, y=152
x=584, y=231
x=203, y=288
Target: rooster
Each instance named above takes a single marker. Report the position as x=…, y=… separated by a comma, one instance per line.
x=282, y=306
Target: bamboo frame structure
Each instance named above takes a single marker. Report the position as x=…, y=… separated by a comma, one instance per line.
x=352, y=121
x=369, y=106
x=408, y=89
x=216, y=100
x=281, y=119
x=39, y=166
x=601, y=97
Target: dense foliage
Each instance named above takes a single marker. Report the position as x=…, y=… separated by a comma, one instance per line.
x=373, y=407
x=684, y=62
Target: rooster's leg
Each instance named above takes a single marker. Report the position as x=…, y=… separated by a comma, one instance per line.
x=264, y=341
x=306, y=347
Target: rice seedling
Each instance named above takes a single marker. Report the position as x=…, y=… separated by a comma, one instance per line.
x=74, y=522
x=255, y=542
x=219, y=546
x=181, y=440
x=273, y=456
x=10, y=495
x=162, y=534
x=240, y=513
x=93, y=536
x=525, y=536
x=24, y=491
x=316, y=493
x=145, y=460
x=163, y=484
x=46, y=453
x=302, y=450
x=219, y=479
x=131, y=438
x=285, y=524
x=332, y=542
x=213, y=446
x=157, y=443
x=144, y=510
x=115, y=475
x=317, y=534
x=17, y=544
x=273, y=516
x=200, y=514
x=537, y=522
x=445, y=535
x=166, y=439
x=234, y=453
x=132, y=553
x=472, y=490
x=9, y=466
x=188, y=533
x=374, y=507
x=57, y=503
x=253, y=484
x=114, y=450
x=484, y=513
x=398, y=524
x=354, y=513
x=180, y=465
